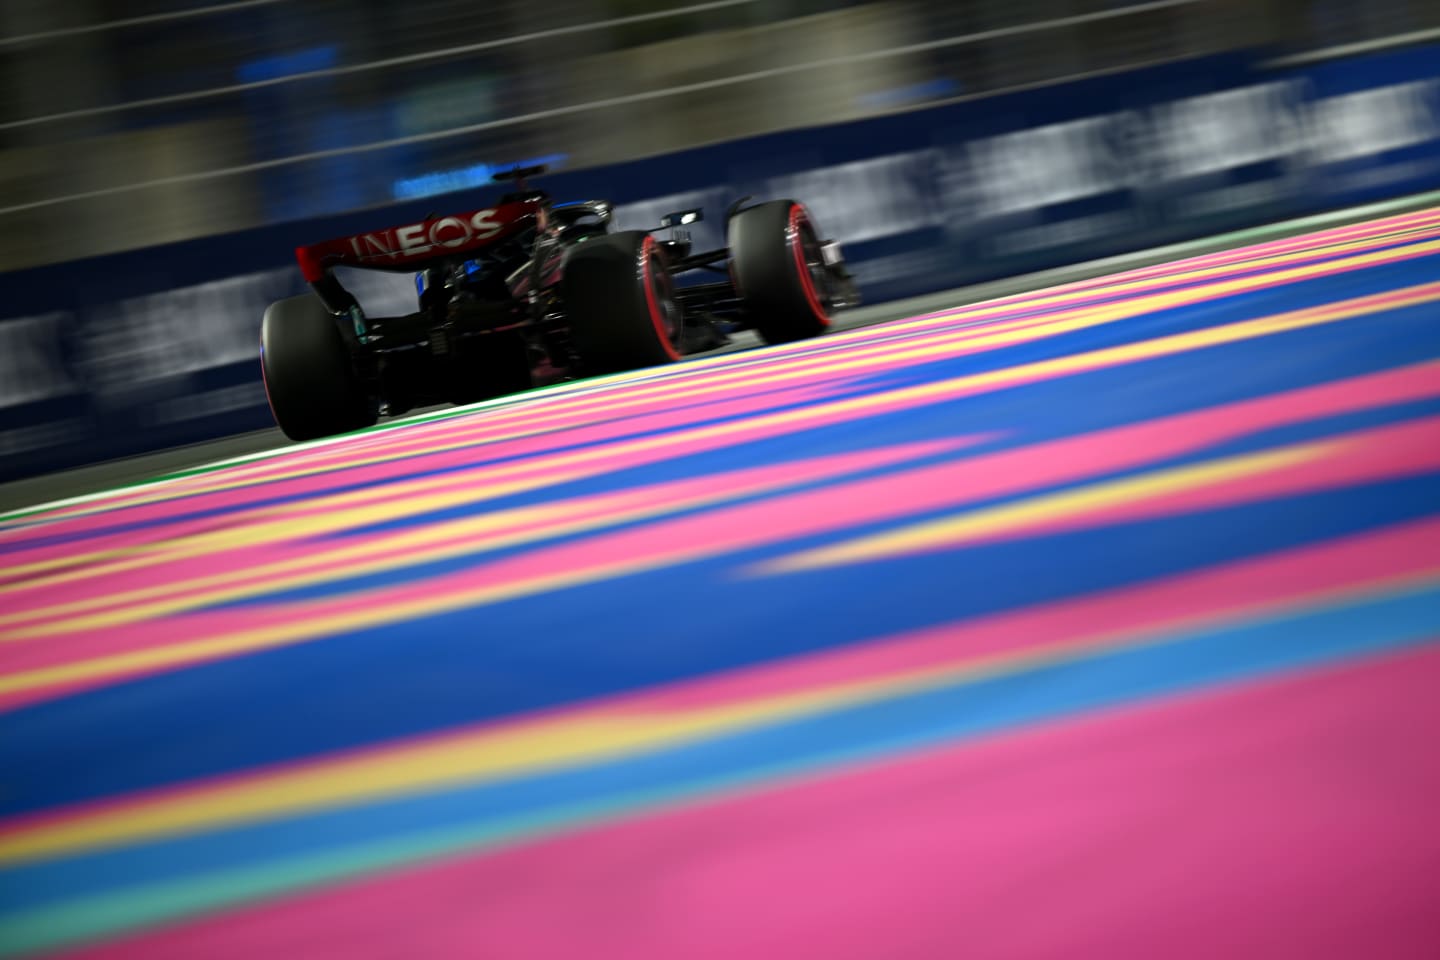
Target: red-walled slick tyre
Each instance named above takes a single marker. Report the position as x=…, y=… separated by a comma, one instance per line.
x=779, y=271
x=620, y=301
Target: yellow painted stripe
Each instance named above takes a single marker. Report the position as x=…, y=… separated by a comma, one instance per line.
x=328, y=513
x=320, y=622
x=584, y=736
x=1080, y=318
x=429, y=543
x=323, y=516
x=1010, y=518
x=312, y=620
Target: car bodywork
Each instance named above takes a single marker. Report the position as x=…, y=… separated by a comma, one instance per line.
x=496, y=275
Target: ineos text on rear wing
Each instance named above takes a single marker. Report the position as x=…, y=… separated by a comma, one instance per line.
x=415, y=246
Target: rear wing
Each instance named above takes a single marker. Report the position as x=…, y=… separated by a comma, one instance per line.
x=416, y=246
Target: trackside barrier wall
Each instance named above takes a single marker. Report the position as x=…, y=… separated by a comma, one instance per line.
x=151, y=348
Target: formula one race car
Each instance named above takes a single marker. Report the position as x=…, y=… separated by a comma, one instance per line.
x=528, y=292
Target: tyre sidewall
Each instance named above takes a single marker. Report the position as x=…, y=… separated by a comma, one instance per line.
x=310, y=381
x=770, y=273
x=618, y=320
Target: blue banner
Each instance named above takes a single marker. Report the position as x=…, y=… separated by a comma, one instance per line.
x=152, y=348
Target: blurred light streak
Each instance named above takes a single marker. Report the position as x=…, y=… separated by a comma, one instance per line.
x=258, y=83
x=203, y=11
x=592, y=105
x=285, y=65
x=465, y=178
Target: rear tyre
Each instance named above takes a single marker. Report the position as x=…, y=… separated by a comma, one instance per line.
x=309, y=380
x=779, y=271
x=620, y=301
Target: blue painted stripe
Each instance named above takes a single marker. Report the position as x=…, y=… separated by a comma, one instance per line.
x=963, y=710
x=472, y=665
x=1312, y=292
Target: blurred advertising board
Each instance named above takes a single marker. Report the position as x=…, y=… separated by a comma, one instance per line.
x=152, y=348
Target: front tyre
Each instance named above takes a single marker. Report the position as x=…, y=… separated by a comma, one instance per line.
x=779, y=271
x=620, y=301
x=309, y=380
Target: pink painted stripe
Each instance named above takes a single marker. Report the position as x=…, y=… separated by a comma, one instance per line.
x=407, y=456
x=1419, y=222
x=1290, y=818
x=401, y=446
x=980, y=321
x=1177, y=275
x=557, y=418
x=984, y=320
x=1375, y=302
x=1246, y=588
x=241, y=561
x=1241, y=590
x=560, y=421
x=884, y=356
x=1202, y=291
x=480, y=458
x=1240, y=257
x=770, y=521
x=1383, y=453
x=1001, y=310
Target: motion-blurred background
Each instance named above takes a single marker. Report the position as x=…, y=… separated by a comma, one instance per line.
x=1096, y=621
x=125, y=123
x=160, y=159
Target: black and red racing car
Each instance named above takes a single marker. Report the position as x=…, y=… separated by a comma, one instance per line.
x=530, y=291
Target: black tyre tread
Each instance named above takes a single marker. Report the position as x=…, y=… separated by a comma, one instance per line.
x=766, y=275
x=611, y=326
x=309, y=380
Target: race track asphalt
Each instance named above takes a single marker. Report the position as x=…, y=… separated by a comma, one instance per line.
x=1095, y=620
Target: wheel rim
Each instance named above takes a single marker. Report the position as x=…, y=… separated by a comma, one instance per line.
x=814, y=258
x=660, y=290
x=810, y=263
x=664, y=287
